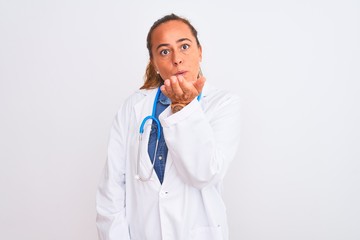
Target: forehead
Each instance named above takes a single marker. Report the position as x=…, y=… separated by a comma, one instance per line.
x=171, y=31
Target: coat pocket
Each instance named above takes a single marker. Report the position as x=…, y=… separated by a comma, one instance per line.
x=206, y=233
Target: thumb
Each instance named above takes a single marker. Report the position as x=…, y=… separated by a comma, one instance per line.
x=199, y=84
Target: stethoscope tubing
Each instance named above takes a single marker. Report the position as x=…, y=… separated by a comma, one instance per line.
x=141, y=131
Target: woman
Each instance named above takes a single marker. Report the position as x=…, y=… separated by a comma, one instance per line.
x=189, y=140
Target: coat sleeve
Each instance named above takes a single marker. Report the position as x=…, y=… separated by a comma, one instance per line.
x=203, y=143
x=110, y=199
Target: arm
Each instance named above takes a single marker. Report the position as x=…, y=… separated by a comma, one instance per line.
x=203, y=143
x=110, y=199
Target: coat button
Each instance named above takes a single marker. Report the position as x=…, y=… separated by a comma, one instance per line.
x=163, y=194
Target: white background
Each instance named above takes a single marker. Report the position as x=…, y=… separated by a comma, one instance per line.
x=66, y=66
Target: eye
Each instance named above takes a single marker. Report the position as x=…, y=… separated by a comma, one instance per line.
x=185, y=46
x=164, y=52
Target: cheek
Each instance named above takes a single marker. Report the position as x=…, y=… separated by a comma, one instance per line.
x=196, y=58
x=196, y=62
x=164, y=61
x=158, y=64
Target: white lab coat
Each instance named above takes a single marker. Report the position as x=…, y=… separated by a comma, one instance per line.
x=202, y=140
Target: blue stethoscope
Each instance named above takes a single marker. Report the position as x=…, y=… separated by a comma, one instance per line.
x=141, y=131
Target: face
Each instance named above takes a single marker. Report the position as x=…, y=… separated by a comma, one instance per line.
x=175, y=51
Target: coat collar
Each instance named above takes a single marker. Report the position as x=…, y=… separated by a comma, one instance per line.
x=143, y=108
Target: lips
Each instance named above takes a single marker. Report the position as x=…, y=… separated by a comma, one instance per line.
x=180, y=73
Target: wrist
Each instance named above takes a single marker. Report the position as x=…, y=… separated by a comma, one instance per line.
x=175, y=107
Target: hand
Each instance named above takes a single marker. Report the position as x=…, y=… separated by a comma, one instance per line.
x=181, y=91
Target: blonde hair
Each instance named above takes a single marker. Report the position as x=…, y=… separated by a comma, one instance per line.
x=152, y=78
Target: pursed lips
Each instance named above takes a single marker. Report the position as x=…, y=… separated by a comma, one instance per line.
x=180, y=73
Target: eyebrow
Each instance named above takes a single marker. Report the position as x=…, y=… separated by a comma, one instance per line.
x=178, y=41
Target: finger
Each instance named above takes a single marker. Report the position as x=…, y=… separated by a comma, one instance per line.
x=163, y=90
x=167, y=86
x=185, y=85
x=188, y=89
x=178, y=92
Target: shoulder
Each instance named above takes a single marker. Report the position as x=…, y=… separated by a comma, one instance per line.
x=136, y=97
x=128, y=105
x=220, y=97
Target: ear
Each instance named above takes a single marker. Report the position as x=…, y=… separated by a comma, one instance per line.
x=200, y=53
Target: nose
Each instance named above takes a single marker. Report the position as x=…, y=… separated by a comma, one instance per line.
x=177, y=58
